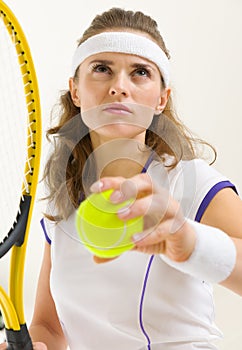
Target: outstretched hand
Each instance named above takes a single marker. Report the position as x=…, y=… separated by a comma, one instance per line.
x=166, y=231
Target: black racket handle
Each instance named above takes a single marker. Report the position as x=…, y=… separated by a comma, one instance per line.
x=19, y=339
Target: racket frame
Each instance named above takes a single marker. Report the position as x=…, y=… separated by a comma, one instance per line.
x=12, y=305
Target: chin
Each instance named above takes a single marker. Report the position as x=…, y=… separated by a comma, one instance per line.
x=120, y=130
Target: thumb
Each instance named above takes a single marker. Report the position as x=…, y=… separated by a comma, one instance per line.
x=99, y=260
x=3, y=346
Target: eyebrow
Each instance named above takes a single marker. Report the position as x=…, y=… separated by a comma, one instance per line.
x=133, y=65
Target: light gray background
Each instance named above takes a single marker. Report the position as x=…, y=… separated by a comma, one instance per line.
x=204, y=38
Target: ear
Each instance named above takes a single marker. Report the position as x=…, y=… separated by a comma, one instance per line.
x=74, y=93
x=165, y=93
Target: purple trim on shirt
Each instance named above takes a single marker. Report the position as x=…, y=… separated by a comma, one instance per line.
x=207, y=199
x=146, y=166
x=142, y=302
x=210, y=195
x=148, y=162
x=45, y=231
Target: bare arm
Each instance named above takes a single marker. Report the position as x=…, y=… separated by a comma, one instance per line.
x=225, y=212
x=45, y=326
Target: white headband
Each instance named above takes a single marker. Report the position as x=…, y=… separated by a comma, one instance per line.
x=124, y=42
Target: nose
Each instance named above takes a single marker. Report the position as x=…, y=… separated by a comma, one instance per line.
x=119, y=86
x=115, y=92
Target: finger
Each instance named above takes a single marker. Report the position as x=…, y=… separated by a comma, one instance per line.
x=170, y=228
x=134, y=187
x=154, y=235
x=153, y=207
x=3, y=346
x=107, y=183
x=158, y=248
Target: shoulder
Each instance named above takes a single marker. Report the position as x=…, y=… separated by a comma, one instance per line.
x=198, y=172
x=193, y=183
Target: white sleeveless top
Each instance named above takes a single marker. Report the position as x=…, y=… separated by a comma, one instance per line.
x=137, y=301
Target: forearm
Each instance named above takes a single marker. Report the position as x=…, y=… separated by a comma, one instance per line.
x=214, y=258
x=53, y=341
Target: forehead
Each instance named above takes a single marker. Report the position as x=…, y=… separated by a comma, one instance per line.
x=113, y=58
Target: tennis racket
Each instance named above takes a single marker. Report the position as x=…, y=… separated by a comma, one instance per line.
x=20, y=145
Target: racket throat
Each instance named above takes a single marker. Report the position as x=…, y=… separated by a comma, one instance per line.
x=19, y=339
x=16, y=235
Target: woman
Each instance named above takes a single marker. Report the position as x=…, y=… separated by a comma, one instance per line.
x=118, y=130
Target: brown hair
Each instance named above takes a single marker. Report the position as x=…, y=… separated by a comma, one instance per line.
x=166, y=135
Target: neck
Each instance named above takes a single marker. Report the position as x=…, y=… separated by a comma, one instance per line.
x=121, y=157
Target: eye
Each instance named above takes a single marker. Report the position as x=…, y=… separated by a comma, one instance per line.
x=100, y=68
x=143, y=72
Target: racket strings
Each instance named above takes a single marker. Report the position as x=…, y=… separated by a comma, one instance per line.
x=28, y=96
x=18, y=126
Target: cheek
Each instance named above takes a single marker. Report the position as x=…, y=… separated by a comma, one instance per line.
x=151, y=101
x=150, y=96
x=91, y=96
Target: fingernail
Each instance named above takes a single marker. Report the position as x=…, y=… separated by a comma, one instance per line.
x=116, y=196
x=96, y=186
x=138, y=237
x=123, y=212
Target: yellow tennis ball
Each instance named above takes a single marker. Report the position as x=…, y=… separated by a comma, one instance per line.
x=100, y=229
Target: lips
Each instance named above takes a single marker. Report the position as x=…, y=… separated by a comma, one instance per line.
x=117, y=108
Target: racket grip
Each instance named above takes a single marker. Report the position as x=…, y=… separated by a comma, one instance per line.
x=19, y=339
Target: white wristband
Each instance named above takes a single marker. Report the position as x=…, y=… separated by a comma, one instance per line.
x=213, y=258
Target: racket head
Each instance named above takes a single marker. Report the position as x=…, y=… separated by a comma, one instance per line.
x=20, y=155
x=20, y=141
